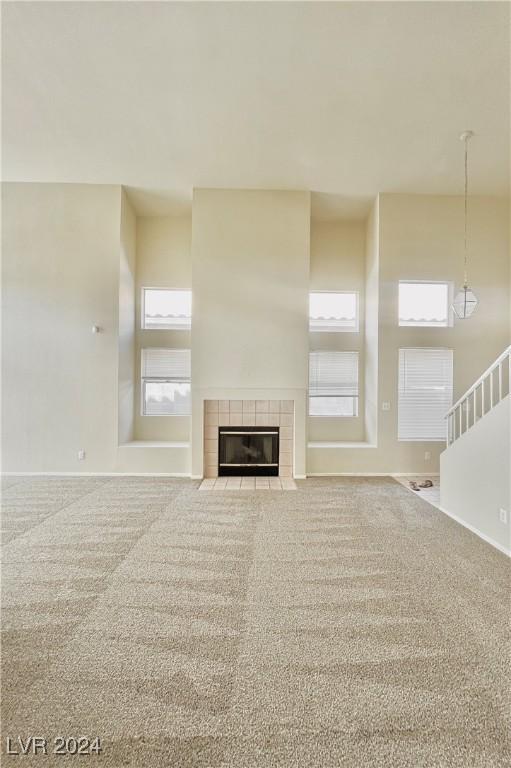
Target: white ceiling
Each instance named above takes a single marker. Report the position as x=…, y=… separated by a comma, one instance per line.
x=345, y=99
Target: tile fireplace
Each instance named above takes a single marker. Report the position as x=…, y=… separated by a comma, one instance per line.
x=248, y=437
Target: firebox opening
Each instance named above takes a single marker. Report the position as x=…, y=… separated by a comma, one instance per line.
x=248, y=451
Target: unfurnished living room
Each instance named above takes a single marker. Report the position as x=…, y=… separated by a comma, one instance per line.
x=256, y=424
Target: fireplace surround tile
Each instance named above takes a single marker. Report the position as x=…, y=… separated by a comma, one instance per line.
x=211, y=446
x=248, y=413
x=285, y=459
x=286, y=446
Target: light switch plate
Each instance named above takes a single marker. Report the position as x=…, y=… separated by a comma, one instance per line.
x=385, y=406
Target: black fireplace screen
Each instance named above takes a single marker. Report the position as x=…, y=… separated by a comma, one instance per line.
x=248, y=451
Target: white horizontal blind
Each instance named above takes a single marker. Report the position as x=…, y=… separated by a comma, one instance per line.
x=425, y=393
x=333, y=383
x=160, y=363
x=166, y=389
x=166, y=308
x=330, y=312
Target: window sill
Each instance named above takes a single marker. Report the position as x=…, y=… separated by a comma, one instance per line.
x=165, y=415
x=334, y=330
x=180, y=328
x=331, y=416
x=421, y=440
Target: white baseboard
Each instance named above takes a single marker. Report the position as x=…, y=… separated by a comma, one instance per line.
x=477, y=532
x=95, y=474
x=372, y=474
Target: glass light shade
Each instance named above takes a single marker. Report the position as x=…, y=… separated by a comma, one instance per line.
x=464, y=303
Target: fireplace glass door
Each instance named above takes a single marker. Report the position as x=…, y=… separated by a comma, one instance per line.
x=248, y=451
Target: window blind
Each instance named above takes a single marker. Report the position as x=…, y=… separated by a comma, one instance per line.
x=166, y=389
x=333, y=383
x=173, y=364
x=425, y=393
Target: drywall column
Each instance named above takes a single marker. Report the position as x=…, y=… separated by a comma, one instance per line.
x=372, y=325
x=250, y=281
x=127, y=321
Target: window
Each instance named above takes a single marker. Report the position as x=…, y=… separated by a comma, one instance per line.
x=166, y=309
x=166, y=382
x=425, y=393
x=425, y=304
x=333, y=384
x=333, y=311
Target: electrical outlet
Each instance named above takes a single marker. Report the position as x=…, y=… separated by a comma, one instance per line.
x=385, y=406
x=81, y=454
x=503, y=515
x=427, y=455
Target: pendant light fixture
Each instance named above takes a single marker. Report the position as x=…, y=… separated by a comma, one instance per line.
x=465, y=300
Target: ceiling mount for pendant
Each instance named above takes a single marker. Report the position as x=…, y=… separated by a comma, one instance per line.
x=466, y=135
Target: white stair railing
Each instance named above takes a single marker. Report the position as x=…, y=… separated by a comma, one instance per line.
x=484, y=394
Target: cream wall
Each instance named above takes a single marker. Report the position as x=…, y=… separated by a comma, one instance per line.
x=250, y=253
x=60, y=276
x=68, y=260
x=337, y=263
x=164, y=260
x=421, y=238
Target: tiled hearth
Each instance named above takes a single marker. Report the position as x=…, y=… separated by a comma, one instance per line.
x=248, y=413
x=248, y=484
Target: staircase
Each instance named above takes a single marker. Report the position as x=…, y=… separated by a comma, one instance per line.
x=475, y=468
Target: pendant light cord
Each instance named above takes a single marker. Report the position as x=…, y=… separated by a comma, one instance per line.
x=465, y=278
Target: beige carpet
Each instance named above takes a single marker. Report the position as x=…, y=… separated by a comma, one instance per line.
x=346, y=624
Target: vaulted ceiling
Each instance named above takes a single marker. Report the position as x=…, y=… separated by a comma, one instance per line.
x=345, y=99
